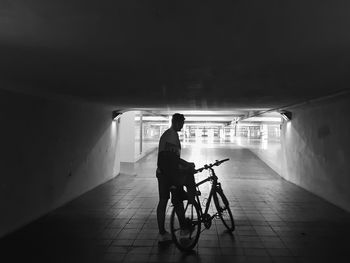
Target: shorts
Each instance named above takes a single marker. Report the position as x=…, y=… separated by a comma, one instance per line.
x=163, y=187
x=178, y=194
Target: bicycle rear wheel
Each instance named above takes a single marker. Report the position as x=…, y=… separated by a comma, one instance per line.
x=224, y=211
x=187, y=239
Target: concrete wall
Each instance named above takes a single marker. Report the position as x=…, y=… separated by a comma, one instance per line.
x=316, y=149
x=51, y=152
x=127, y=137
x=131, y=138
x=127, y=142
x=269, y=152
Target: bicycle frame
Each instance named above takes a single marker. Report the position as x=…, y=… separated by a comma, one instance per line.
x=197, y=216
x=215, y=184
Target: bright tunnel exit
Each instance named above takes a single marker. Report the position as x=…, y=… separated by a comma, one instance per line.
x=141, y=131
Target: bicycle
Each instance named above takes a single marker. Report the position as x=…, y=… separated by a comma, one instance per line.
x=196, y=216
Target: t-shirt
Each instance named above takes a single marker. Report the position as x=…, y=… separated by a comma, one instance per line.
x=169, y=151
x=169, y=141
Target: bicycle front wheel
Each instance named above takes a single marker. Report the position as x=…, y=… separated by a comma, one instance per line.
x=186, y=236
x=224, y=211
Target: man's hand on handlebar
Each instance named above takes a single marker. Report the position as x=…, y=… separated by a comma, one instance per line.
x=191, y=165
x=187, y=165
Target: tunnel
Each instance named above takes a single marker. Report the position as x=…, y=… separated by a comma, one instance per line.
x=87, y=88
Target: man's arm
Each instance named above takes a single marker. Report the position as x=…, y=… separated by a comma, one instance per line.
x=169, y=147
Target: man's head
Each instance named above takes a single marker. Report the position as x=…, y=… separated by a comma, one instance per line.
x=177, y=121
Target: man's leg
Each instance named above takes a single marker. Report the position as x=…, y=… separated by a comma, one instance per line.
x=189, y=182
x=164, y=194
x=161, y=209
x=191, y=187
x=177, y=200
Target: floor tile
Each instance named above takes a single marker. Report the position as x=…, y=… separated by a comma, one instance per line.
x=276, y=221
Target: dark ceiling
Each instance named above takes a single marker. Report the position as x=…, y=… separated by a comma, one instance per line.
x=198, y=55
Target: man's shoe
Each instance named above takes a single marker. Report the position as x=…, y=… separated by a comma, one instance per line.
x=166, y=237
x=188, y=229
x=186, y=238
x=184, y=232
x=186, y=242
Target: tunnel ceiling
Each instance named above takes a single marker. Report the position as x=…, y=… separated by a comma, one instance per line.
x=196, y=55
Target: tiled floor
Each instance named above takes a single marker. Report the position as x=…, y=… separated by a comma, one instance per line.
x=276, y=221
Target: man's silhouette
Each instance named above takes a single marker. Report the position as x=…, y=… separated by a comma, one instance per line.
x=173, y=171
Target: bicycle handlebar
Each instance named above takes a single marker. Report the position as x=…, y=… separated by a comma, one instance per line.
x=208, y=166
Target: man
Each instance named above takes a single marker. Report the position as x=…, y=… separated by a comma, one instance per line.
x=172, y=170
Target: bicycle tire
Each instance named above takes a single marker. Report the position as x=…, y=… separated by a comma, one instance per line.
x=188, y=242
x=224, y=211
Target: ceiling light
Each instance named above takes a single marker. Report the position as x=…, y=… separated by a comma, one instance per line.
x=116, y=115
x=286, y=115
